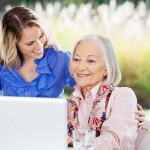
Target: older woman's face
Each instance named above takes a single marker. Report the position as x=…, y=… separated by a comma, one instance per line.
x=88, y=66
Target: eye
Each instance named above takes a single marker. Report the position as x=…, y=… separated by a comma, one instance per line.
x=91, y=61
x=41, y=35
x=30, y=43
x=76, y=59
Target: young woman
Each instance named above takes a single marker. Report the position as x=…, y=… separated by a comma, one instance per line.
x=31, y=64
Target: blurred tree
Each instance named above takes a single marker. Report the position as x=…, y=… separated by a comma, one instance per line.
x=3, y=3
x=30, y=3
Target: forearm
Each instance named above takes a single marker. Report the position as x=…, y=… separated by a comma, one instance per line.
x=117, y=133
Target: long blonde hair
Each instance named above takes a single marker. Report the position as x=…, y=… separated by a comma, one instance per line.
x=12, y=23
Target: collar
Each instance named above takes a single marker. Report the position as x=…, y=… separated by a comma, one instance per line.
x=78, y=94
x=94, y=90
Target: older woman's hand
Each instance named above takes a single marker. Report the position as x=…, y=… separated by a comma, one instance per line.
x=140, y=116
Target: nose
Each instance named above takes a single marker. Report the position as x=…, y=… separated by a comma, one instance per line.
x=82, y=66
x=39, y=45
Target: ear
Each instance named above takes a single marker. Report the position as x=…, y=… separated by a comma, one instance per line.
x=105, y=75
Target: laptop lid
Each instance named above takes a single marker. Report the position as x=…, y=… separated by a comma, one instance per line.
x=28, y=123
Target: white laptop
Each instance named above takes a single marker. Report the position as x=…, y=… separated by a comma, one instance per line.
x=33, y=123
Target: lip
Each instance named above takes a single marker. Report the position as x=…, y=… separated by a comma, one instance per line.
x=37, y=52
x=82, y=75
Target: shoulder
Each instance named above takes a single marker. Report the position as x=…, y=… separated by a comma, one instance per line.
x=6, y=71
x=1, y=67
x=123, y=91
x=55, y=56
x=0, y=81
x=52, y=57
x=12, y=76
x=53, y=50
x=122, y=102
x=124, y=94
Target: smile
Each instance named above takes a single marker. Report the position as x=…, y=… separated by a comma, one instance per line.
x=37, y=52
x=83, y=75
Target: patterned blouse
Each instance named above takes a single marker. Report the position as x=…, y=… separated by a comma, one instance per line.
x=110, y=112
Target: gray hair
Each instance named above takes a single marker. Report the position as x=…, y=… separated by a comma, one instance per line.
x=113, y=71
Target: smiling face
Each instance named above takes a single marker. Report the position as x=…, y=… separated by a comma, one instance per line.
x=87, y=65
x=31, y=43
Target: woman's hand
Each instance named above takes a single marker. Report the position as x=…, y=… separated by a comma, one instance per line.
x=70, y=142
x=140, y=116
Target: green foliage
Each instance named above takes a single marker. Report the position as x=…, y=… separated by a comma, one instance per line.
x=68, y=91
x=147, y=113
x=134, y=61
x=127, y=27
x=133, y=51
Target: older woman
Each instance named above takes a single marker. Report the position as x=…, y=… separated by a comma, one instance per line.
x=97, y=103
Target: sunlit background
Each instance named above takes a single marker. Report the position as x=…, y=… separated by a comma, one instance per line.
x=125, y=23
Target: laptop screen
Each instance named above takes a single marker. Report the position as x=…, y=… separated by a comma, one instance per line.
x=33, y=123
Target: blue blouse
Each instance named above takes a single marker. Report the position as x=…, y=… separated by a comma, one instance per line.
x=53, y=75
x=0, y=76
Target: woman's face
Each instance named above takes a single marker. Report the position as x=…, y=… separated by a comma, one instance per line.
x=31, y=43
x=88, y=66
